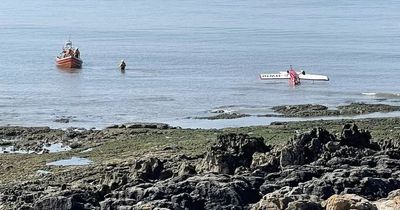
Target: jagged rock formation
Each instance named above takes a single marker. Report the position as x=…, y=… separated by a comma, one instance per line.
x=316, y=166
x=230, y=152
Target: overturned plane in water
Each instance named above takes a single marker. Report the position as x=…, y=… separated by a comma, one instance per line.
x=294, y=77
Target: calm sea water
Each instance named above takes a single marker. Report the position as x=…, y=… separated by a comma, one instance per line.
x=185, y=58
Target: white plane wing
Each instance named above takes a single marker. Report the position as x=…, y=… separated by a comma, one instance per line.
x=285, y=75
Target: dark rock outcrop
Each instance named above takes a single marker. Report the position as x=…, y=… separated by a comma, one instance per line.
x=305, y=110
x=306, y=147
x=318, y=164
x=354, y=137
x=223, y=116
x=148, y=168
x=230, y=152
x=363, y=108
x=311, y=110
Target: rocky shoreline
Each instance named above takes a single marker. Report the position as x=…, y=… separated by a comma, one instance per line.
x=332, y=165
x=309, y=110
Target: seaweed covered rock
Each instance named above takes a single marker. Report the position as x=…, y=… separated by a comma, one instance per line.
x=225, y=116
x=312, y=110
x=363, y=108
x=304, y=110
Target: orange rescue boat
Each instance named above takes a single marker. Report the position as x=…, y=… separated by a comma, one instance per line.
x=69, y=57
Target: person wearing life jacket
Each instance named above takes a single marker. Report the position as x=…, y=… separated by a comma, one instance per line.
x=294, y=77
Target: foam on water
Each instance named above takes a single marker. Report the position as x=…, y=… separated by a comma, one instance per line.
x=384, y=95
x=87, y=150
x=369, y=94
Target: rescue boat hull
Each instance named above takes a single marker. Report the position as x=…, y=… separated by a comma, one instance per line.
x=69, y=62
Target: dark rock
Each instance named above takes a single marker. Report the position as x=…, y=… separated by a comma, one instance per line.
x=62, y=120
x=148, y=125
x=224, y=116
x=26, y=198
x=267, y=162
x=186, y=169
x=230, y=152
x=278, y=123
x=373, y=188
x=113, y=180
x=309, y=110
x=185, y=201
x=112, y=126
x=26, y=207
x=305, y=110
x=351, y=136
x=148, y=168
x=363, y=108
x=57, y=202
x=304, y=205
x=75, y=145
x=305, y=148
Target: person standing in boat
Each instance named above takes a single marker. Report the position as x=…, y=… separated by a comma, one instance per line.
x=64, y=53
x=77, y=53
x=294, y=77
x=70, y=52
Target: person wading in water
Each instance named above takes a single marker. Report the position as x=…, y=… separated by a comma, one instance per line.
x=122, y=65
x=294, y=77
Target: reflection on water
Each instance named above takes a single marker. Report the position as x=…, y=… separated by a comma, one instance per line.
x=73, y=161
x=52, y=148
x=58, y=147
x=69, y=70
x=11, y=149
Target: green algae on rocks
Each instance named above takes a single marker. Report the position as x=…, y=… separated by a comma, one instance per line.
x=316, y=110
x=223, y=116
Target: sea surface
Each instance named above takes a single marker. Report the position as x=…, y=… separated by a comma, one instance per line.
x=185, y=58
